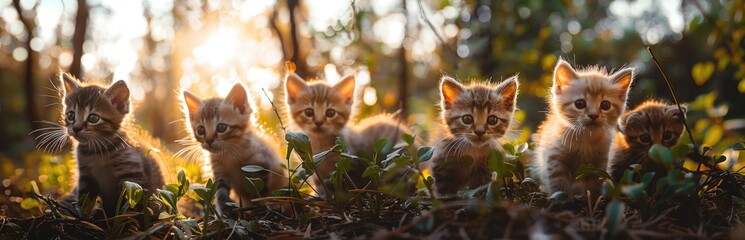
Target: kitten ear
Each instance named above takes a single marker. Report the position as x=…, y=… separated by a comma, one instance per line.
x=192, y=103
x=563, y=75
x=69, y=82
x=118, y=94
x=346, y=88
x=238, y=98
x=294, y=85
x=449, y=91
x=623, y=78
x=624, y=119
x=673, y=111
x=507, y=90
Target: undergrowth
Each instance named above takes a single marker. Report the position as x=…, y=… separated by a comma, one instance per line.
x=703, y=202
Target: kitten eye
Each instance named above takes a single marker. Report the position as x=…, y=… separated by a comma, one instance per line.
x=667, y=136
x=70, y=116
x=93, y=118
x=467, y=119
x=221, y=128
x=605, y=105
x=580, y=104
x=330, y=113
x=309, y=112
x=492, y=120
x=645, y=138
x=200, y=130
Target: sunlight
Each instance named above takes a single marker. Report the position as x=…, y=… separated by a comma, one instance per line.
x=219, y=48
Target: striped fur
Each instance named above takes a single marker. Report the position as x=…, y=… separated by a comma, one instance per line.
x=570, y=136
x=223, y=128
x=652, y=122
x=106, y=156
x=466, y=113
x=309, y=104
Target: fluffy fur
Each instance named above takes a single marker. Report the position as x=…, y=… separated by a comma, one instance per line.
x=106, y=156
x=223, y=128
x=652, y=122
x=323, y=112
x=580, y=126
x=477, y=117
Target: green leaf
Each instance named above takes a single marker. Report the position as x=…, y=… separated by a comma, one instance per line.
x=372, y=171
x=522, y=148
x=408, y=138
x=252, y=168
x=558, y=196
x=681, y=150
x=661, y=155
x=299, y=142
x=713, y=135
x=29, y=203
x=133, y=192
x=738, y=147
x=509, y=148
x=168, y=198
x=720, y=159
x=492, y=192
x=614, y=216
x=425, y=153
x=379, y=144
x=584, y=170
x=701, y=72
x=496, y=163
x=253, y=185
x=634, y=191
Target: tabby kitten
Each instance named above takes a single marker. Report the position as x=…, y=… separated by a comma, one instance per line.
x=580, y=126
x=477, y=117
x=223, y=128
x=95, y=117
x=652, y=122
x=323, y=112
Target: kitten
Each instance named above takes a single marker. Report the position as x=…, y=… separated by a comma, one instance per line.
x=223, y=128
x=95, y=117
x=580, y=126
x=323, y=111
x=652, y=122
x=477, y=117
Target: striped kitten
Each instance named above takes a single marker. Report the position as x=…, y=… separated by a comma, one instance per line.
x=323, y=111
x=95, y=117
x=580, y=126
x=477, y=117
x=223, y=128
x=652, y=122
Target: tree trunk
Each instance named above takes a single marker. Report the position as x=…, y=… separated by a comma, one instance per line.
x=297, y=55
x=78, y=38
x=28, y=71
x=403, y=82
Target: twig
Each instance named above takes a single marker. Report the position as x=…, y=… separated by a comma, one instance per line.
x=276, y=112
x=682, y=114
x=442, y=41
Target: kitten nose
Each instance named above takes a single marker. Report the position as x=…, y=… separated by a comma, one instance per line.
x=209, y=141
x=318, y=124
x=479, y=133
x=77, y=129
x=593, y=116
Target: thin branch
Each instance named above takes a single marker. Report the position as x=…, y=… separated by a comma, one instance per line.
x=273, y=24
x=274, y=107
x=449, y=51
x=700, y=157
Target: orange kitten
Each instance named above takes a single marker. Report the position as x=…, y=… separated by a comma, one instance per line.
x=652, y=122
x=323, y=112
x=223, y=127
x=477, y=116
x=580, y=126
